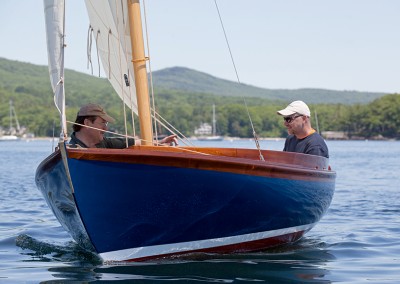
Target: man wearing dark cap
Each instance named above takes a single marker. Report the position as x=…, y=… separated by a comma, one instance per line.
x=302, y=137
x=91, y=123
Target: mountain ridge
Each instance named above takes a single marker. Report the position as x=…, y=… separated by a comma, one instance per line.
x=186, y=79
x=183, y=80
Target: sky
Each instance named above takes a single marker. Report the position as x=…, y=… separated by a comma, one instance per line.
x=285, y=44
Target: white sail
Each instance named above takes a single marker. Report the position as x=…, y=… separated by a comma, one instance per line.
x=109, y=21
x=54, y=17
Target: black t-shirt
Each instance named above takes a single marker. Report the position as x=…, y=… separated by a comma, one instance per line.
x=107, y=142
x=313, y=144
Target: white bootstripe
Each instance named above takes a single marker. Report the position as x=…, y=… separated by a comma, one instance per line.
x=134, y=253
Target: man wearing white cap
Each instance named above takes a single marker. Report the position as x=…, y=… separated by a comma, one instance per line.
x=302, y=137
x=89, y=128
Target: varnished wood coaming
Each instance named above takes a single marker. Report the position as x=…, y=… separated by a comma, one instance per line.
x=277, y=164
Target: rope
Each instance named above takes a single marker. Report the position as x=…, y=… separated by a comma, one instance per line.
x=237, y=76
x=109, y=54
x=106, y=131
x=150, y=71
x=175, y=131
x=89, y=48
x=122, y=73
x=97, y=50
x=127, y=136
x=169, y=127
x=127, y=83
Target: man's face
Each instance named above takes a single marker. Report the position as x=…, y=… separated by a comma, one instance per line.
x=100, y=125
x=294, y=123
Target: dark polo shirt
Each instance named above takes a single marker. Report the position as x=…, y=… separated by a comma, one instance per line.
x=313, y=144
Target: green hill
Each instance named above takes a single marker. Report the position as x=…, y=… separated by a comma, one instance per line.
x=191, y=81
x=19, y=76
x=184, y=98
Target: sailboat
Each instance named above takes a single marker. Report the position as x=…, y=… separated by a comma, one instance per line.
x=11, y=135
x=204, y=200
x=204, y=129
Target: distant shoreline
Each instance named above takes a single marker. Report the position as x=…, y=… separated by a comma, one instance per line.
x=229, y=139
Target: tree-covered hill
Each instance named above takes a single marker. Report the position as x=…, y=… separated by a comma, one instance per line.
x=191, y=81
x=185, y=97
x=15, y=75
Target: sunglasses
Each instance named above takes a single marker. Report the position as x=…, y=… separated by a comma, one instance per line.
x=289, y=119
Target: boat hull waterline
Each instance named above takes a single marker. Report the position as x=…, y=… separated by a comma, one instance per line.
x=224, y=203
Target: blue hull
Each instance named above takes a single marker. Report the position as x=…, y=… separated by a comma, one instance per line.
x=134, y=211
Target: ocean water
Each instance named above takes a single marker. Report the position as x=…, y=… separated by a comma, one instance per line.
x=357, y=241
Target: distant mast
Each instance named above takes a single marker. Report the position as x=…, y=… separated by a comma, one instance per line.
x=13, y=114
x=316, y=121
x=140, y=72
x=10, y=116
x=214, y=122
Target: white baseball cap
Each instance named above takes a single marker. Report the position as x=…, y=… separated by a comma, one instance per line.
x=295, y=107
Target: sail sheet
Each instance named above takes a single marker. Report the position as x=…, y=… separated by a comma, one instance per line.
x=54, y=18
x=110, y=30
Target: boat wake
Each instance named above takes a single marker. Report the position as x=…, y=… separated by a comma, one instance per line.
x=51, y=252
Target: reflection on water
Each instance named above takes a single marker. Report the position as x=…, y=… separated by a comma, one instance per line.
x=303, y=262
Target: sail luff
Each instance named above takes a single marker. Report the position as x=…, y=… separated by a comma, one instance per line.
x=140, y=70
x=54, y=17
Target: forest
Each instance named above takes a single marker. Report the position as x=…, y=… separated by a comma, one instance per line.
x=376, y=120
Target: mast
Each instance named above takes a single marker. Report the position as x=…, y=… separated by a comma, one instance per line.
x=139, y=66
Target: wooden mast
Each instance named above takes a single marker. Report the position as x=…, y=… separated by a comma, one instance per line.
x=139, y=67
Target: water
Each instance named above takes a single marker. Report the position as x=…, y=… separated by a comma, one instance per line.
x=357, y=241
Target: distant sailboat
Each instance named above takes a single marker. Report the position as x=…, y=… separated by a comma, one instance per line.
x=11, y=134
x=205, y=128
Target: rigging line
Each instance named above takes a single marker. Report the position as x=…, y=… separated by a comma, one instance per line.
x=168, y=125
x=127, y=82
x=237, y=76
x=89, y=48
x=97, y=50
x=63, y=134
x=120, y=70
x=150, y=71
x=136, y=138
x=181, y=138
x=227, y=42
x=132, y=105
x=109, y=54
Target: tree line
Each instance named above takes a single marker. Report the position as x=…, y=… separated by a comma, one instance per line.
x=380, y=118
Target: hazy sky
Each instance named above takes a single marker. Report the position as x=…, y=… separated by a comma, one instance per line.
x=332, y=44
